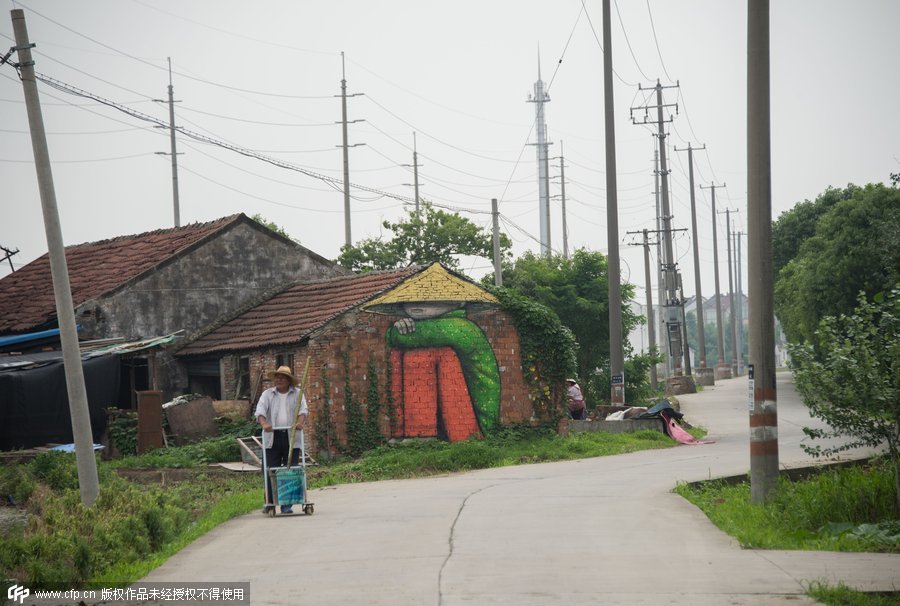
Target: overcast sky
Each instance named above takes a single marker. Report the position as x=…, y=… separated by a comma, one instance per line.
x=265, y=76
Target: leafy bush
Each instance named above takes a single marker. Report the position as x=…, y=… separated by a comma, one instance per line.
x=851, y=379
x=122, y=427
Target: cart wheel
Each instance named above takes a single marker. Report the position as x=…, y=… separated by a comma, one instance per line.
x=308, y=509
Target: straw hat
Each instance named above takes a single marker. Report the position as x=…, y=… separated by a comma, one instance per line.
x=283, y=370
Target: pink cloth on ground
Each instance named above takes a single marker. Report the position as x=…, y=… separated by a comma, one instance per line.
x=678, y=434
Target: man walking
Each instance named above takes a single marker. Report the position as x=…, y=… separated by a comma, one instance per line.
x=276, y=412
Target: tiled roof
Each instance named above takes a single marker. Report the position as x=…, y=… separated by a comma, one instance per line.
x=295, y=312
x=26, y=296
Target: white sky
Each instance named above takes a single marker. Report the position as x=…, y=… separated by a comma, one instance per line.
x=459, y=75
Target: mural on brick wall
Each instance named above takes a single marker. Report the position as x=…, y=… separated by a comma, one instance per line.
x=446, y=382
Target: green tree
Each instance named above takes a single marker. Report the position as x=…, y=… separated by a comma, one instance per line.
x=855, y=247
x=577, y=290
x=851, y=378
x=709, y=336
x=432, y=235
x=798, y=224
x=274, y=227
x=548, y=349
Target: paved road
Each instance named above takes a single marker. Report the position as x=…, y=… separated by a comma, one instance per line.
x=595, y=531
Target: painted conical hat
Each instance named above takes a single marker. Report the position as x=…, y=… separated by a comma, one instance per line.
x=434, y=283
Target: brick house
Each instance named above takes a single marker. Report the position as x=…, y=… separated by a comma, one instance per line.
x=436, y=348
x=177, y=280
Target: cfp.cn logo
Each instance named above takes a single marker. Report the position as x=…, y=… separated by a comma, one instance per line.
x=17, y=593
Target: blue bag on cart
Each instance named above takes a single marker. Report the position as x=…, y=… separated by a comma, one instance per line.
x=289, y=485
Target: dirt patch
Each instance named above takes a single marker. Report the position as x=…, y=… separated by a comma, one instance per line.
x=12, y=520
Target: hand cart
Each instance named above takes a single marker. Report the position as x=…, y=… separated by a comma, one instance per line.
x=288, y=483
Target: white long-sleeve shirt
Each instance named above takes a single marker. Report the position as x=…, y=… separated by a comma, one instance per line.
x=280, y=410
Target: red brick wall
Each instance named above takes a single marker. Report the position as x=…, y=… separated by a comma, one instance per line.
x=361, y=335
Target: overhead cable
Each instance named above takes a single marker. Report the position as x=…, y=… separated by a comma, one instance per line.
x=335, y=183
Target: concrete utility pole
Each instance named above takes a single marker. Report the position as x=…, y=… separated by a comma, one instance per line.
x=684, y=335
x=764, y=412
x=174, y=151
x=651, y=324
x=740, y=303
x=347, y=239
x=416, y=174
x=660, y=276
x=562, y=195
x=674, y=305
x=705, y=376
x=723, y=370
x=539, y=98
x=415, y=166
x=614, y=280
x=734, y=368
x=498, y=270
x=88, y=481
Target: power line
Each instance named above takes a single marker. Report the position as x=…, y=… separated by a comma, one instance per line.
x=331, y=181
x=155, y=66
x=628, y=42
x=600, y=44
x=656, y=40
x=433, y=138
x=85, y=160
x=260, y=122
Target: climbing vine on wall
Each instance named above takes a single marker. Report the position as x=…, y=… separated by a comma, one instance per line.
x=326, y=436
x=373, y=406
x=363, y=431
x=548, y=349
x=389, y=397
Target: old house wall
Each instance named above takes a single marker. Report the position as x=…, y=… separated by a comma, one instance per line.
x=202, y=285
x=356, y=339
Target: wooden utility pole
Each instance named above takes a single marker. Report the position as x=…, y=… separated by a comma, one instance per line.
x=88, y=482
x=764, y=411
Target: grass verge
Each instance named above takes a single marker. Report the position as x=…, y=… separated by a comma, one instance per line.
x=847, y=509
x=842, y=595
x=842, y=509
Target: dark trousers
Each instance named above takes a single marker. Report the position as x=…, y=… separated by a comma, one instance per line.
x=277, y=456
x=578, y=415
